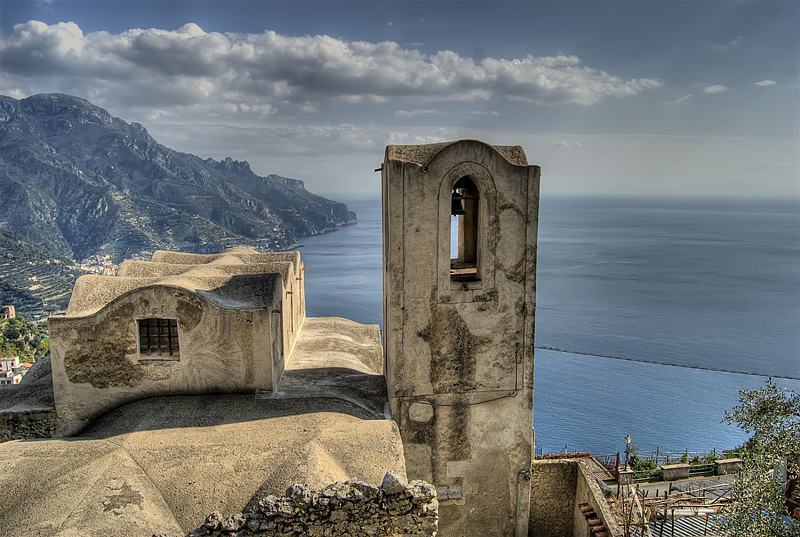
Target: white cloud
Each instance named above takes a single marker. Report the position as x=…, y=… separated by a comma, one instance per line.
x=191, y=71
x=566, y=144
x=329, y=158
x=765, y=83
x=717, y=88
x=288, y=140
x=418, y=113
x=681, y=100
x=730, y=44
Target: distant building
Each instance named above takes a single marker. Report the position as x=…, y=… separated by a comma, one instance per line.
x=7, y=312
x=10, y=370
x=10, y=378
x=9, y=363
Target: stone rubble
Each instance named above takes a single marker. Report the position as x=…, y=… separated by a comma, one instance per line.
x=349, y=509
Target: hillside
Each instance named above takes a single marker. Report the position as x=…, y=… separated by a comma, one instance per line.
x=74, y=179
x=20, y=338
x=32, y=279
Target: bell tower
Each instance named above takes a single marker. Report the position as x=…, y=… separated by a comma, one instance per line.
x=459, y=297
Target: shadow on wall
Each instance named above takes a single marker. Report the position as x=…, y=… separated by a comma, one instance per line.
x=558, y=489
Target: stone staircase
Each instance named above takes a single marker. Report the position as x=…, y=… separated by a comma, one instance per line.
x=596, y=527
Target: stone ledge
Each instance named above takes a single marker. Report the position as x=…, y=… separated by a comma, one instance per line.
x=727, y=466
x=673, y=472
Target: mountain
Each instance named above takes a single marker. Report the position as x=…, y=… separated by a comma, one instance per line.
x=76, y=180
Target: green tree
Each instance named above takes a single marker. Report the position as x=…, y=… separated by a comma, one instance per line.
x=42, y=349
x=11, y=330
x=772, y=416
x=21, y=338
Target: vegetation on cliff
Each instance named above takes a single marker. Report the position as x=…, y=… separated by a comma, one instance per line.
x=33, y=279
x=74, y=179
x=20, y=338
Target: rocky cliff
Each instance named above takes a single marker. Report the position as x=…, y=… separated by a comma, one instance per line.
x=77, y=180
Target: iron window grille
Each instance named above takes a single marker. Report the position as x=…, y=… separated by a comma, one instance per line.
x=159, y=338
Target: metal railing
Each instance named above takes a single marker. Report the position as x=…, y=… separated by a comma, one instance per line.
x=609, y=463
x=647, y=475
x=701, y=469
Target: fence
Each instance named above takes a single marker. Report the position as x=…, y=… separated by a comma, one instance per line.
x=659, y=458
x=654, y=474
x=645, y=464
x=604, y=467
x=610, y=464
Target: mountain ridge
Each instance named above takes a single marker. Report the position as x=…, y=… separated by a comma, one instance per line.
x=77, y=180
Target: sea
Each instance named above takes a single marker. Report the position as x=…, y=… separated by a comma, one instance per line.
x=711, y=286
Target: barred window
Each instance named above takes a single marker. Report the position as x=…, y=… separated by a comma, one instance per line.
x=159, y=338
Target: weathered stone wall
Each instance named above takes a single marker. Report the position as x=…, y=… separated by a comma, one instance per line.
x=97, y=367
x=558, y=488
x=18, y=425
x=351, y=509
x=27, y=409
x=292, y=308
x=288, y=264
x=588, y=491
x=553, y=487
x=459, y=350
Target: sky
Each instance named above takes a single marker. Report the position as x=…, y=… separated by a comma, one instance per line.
x=648, y=97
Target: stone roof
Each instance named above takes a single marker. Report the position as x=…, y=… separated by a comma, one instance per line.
x=423, y=154
x=160, y=465
x=238, y=278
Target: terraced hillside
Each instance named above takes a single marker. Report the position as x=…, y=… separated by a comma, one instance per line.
x=33, y=279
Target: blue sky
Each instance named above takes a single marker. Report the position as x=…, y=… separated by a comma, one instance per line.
x=634, y=97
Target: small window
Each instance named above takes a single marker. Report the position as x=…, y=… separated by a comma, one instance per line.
x=158, y=338
x=465, y=204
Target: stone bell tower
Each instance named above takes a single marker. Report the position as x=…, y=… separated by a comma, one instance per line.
x=459, y=294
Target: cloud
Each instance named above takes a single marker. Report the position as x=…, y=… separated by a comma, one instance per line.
x=567, y=145
x=681, y=100
x=717, y=88
x=289, y=140
x=189, y=70
x=765, y=83
x=419, y=113
x=730, y=44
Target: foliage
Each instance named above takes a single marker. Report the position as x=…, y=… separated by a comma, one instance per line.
x=697, y=460
x=639, y=465
x=20, y=338
x=772, y=416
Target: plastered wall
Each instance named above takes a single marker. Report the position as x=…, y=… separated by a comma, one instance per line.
x=459, y=353
x=238, y=316
x=96, y=364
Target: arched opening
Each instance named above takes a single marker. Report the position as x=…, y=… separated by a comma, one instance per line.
x=464, y=229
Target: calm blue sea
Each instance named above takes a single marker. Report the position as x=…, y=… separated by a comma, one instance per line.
x=711, y=283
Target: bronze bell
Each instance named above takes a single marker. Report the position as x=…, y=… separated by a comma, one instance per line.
x=456, y=205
